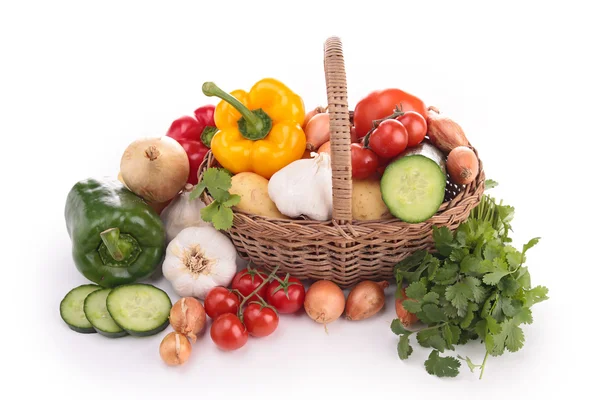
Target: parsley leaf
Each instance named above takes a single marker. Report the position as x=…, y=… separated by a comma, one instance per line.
x=443, y=238
x=470, y=264
x=412, y=306
x=535, y=295
x=470, y=363
x=223, y=218
x=459, y=295
x=478, y=292
x=416, y=290
x=510, y=336
x=218, y=182
x=433, y=313
x=431, y=297
x=233, y=200
x=490, y=184
x=398, y=328
x=442, y=366
x=500, y=271
x=447, y=274
x=431, y=338
x=470, y=314
x=404, y=347
x=530, y=244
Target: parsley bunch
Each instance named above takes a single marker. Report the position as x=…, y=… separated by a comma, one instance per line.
x=475, y=287
x=218, y=182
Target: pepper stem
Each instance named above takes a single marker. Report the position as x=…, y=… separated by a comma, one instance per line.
x=118, y=248
x=253, y=125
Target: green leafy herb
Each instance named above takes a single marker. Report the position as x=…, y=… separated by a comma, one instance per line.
x=217, y=182
x=476, y=287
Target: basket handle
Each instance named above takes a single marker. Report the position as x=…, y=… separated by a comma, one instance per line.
x=339, y=130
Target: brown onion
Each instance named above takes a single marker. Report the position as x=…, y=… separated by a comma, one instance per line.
x=312, y=113
x=324, y=302
x=444, y=133
x=317, y=131
x=325, y=148
x=462, y=165
x=155, y=169
x=365, y=300
x=175, y=349
x=188, y=317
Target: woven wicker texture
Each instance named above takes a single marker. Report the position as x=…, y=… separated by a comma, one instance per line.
x=343, y=251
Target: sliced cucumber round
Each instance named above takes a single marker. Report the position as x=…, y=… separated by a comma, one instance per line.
x=95, y=311
x=140, y=309
x=413, y=186
x=71, y=308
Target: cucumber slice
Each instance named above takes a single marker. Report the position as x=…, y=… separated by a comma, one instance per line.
x=140, y=309
x=413, y=186
x=71, y=308
x=95, y=311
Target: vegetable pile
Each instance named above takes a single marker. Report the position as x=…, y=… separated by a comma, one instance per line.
x=274, y=160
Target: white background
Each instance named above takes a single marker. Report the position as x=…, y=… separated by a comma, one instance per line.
x=80, y=80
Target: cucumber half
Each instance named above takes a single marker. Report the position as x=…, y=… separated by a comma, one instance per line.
x=95, y=311
x=71, y=308
x=140, y=309
x=413, y=186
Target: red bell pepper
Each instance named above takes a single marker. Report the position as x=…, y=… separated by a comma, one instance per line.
x=194, y=135
x=383, y=103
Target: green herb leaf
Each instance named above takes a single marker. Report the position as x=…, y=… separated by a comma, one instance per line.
x=208, y=212
x=197, y=191
x=233, y=200
x=470, y=314
x=535, y=295
x=223, y=219
x=404, y=347
x=431, y=338
x=442, y=366
x=433, y=313
x=447, y=274
x=451, y=334
x=510, y=337
x=523, y=316
x=509, y=286
x=490, y=184
x=218, y=183
x=443, y=240
x=412, y=261
x=459, y=295
x=431, y=297
x=416, y=290
x=479, y=293
x=470, y=363
x=493, y=278
x=412, y=306
x=470, y=264
x=398, y=328
x=530, y=244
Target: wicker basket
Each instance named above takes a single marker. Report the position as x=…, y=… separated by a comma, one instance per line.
x=342, y=250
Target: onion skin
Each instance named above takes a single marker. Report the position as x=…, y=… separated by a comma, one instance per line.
x=154, y=168
x=175, y=349
x=365, y=300
x=324, y=302
x=404, y=316
x=188, y=317
x=444, y=133
x=462, y=165
x=310, y=114
x=317, y=131
x=325, y=148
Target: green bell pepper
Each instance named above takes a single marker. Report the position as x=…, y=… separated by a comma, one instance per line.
x=117, y=237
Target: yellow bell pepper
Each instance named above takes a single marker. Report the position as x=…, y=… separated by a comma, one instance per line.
x=259, y=131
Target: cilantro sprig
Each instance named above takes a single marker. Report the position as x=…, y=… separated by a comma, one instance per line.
x=218, y=182
x=474, y=287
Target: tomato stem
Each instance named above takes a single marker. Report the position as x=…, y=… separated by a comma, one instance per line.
x=397, y=113
x=255, y=292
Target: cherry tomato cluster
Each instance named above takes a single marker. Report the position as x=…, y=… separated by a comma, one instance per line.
x=387, y=122
x=266, y=297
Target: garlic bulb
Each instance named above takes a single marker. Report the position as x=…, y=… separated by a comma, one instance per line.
x=304, y=188
x=198, y=259
x=182, y=213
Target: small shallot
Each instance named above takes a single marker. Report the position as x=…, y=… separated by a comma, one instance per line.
x=317, y=131
x=175, y=349
x=462, y=165
x=324, y=302
x=188, y=317
x=365, y=300
x=444, y=133
x=405, y=317
x=312, y=113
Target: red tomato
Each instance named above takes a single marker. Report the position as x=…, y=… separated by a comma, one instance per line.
x=353, y=136
x=364, y=161
x=228, y=332
x=286, y=296
x=383, y=103
x=389, y=139
x=416, y=127
x=247, y=280
x=261, y=321
x=220, y=301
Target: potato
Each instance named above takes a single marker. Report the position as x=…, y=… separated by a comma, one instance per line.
x=367, y=203
x=254, y=191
